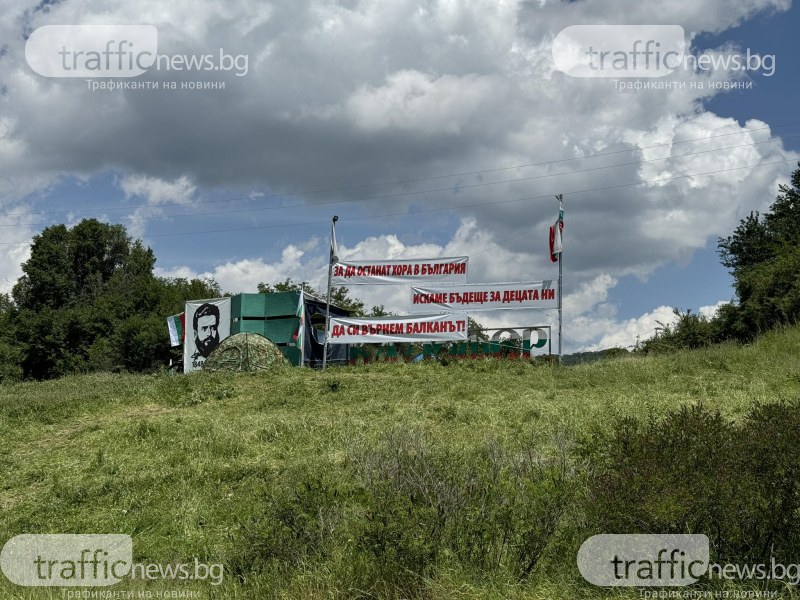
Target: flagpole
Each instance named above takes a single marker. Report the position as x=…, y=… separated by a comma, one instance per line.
x=328, y=296
x=560, y=198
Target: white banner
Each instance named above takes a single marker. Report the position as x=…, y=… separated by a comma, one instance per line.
x=208, y=322
x=414, y=328
x=485, y=296
x=420, y=270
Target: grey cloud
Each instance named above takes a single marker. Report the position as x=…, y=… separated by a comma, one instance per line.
x=341, y=94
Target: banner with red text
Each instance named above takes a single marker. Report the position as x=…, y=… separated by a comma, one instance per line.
x=414, y=328
x=485, y=296
x=418, y=270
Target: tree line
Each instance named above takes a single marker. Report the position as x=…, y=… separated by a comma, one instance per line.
x=763, y=257
x=89, y=300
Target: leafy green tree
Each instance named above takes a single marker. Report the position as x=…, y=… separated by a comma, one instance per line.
x=10, y=350
x=688, y=332
x=783, y=219
x=769, y=293
x=763, y=255
x=98, y=251
x=475, y=328
x=287, y=285
x=138, y=339
x=47, y=275
x=340, y=296
x=748, y=246
x=88, y=300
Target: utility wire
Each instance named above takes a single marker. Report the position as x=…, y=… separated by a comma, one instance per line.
x=449, y=208
x=407, y=181
x=428, y=191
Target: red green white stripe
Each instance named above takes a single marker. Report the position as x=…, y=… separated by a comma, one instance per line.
x=175, y=326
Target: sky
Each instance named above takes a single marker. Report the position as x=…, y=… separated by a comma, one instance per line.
x=430, y=128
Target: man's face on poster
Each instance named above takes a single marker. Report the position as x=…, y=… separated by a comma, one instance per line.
x=206, y=335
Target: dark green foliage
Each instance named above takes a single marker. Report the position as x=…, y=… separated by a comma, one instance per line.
x=690, y=331
x=758, y=239
x=88, y=301
x=287, y=285
x=10, y=361
x=616, y=352
x=46, y=279
x=696, y=472
x=770, y=293
x=10, y=350
x=763, y=255
x=138, y=340
x=748, y=246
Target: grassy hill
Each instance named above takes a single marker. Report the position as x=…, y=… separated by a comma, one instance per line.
x=307, y=484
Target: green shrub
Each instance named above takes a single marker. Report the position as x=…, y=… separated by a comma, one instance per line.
x=406, y=508
x=696, y=472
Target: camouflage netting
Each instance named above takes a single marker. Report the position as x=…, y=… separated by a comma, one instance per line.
x=244, y=352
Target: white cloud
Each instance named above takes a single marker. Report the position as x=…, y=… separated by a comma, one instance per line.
x=420, y=102
x=345, y=93
x=12, y=257
x=710, y=311
x=588, y=296
x=157, y=191
x=244, y=275
x=610, y=333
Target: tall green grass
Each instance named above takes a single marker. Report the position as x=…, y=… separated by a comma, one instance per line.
x=287, y=478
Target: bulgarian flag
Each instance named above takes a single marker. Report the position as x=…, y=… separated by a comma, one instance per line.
x=555, y=234
x=334, y=258
x=301, y=314
x=176, y=326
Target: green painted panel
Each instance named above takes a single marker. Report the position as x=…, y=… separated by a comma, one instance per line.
x=235, y=326
x=271, y=315
x=280, y=331
x=292, y=354
x=278, y=304
x=281, y=304
x=251, y=305
x=236, y=307
x=250, y=326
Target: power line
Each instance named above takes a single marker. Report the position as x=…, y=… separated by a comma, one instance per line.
x=435, y=190
x=457, y=207
x=421, y=179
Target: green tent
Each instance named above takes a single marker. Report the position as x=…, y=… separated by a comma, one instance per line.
x=244, y=352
